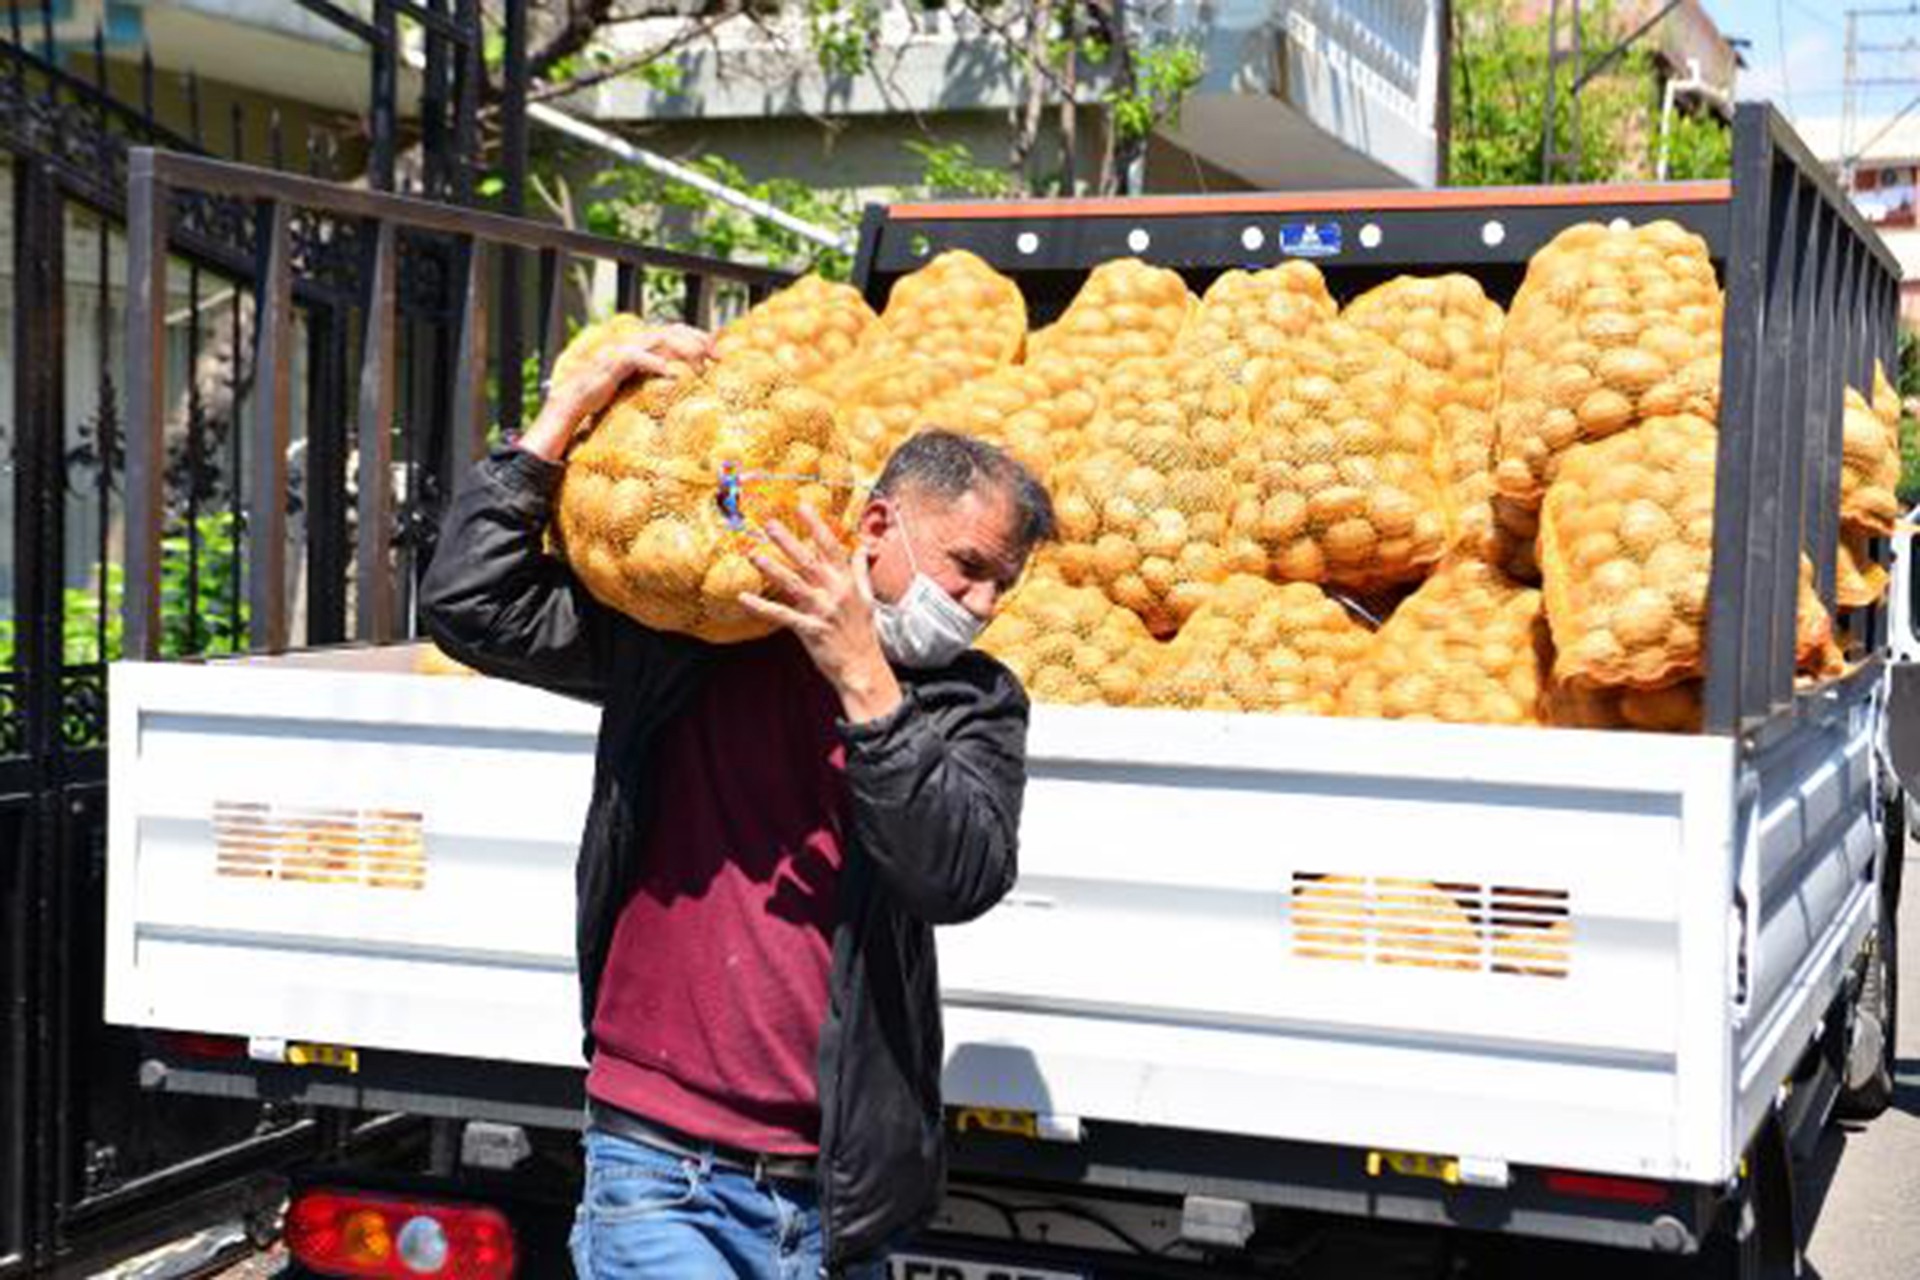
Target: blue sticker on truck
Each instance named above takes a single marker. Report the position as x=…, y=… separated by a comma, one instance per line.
x=1310, y=239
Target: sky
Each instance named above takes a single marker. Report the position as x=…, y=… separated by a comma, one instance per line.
x=1797, y=58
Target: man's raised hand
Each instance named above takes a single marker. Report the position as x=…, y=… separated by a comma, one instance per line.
x=588, y=387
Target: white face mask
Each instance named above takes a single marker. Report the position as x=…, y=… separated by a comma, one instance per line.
x=926, y=628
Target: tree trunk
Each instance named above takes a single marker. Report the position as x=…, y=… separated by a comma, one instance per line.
x=1116, y=160
x=1027, y=134
x=1070, y=106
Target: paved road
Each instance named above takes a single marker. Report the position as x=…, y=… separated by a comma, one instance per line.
x=1860, y=1195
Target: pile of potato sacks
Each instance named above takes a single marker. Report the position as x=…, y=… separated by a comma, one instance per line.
x=1412, y=507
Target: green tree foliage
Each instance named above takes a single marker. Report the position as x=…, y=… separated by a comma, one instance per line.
x=1907, y=380
x=197, y=613
x=1500, y=105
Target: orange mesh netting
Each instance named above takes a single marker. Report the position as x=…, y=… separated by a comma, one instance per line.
x=1248, y=317
x=953, y=320
x=1257, y=646
x=882, y=406
x=1071, y=644
x=1148, y=514
x=808, y=328
x=1447, y=325
x=1036, y=411
x=1861, y=580
x=1125, y=309
x=1626, y=547
x=1870, y=458
x=1350, y=474
x=1674, y=709
x=956, y=309
x=1610, y=328
x=669, y=489
x=1469, y=647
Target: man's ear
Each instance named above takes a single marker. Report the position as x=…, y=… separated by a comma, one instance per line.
x=876, y=520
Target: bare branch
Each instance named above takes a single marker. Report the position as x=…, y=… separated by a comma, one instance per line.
x=628, y=65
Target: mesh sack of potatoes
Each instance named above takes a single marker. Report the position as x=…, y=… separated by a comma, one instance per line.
x=808, y=327
x=1449, y=326
x=1036, y=411
x=590, y=341
x=1870, y=459
x=1626, y=548
x=1610, y=327
x=1349, y=464
x=1860, y=580
x=1071, y=644
x=1468, y=647
x=1125, y=309
x=643, y=518
x=1259, y=646
x=956, y=309
x=1246, y=318
x=1675, y=708
x=1152, y=513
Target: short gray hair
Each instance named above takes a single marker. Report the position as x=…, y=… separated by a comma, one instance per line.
x=947, y=465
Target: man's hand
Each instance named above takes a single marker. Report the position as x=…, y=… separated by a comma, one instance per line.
x=588, y=388
x=825, y=600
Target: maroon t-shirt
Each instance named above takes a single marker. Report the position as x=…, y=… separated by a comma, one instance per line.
x=715, y=988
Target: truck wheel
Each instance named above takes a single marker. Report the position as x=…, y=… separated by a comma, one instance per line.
x=1876, y=1013
x=1756, y=1237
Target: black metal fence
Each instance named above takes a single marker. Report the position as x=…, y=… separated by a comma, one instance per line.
x=90, y=1164
x=403, y=464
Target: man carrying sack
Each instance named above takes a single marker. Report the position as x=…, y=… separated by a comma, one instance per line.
x=775, y=826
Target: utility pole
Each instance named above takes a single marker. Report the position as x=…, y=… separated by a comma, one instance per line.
x=1849, y=101
x=1851, y=148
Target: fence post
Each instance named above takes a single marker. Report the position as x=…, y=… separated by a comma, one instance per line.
x=148, y=215
x=273, y=386
x=374, y=578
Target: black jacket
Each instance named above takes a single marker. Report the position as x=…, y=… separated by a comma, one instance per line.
x=935, y=791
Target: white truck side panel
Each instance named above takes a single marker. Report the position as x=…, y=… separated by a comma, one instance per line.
x=1566, y=996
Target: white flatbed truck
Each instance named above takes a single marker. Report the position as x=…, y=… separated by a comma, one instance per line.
x=344, y=884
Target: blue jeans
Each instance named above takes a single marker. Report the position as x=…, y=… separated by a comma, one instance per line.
x=647, y=1214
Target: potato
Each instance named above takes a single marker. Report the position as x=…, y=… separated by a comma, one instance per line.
x=640, y=517
x=1469, y=646
x=1610, y=328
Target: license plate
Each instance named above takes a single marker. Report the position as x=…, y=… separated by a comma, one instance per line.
x=923, y=1266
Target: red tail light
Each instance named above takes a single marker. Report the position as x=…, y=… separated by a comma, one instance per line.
x=345, y=1233
x=196, y=1044
x=1595, y=1187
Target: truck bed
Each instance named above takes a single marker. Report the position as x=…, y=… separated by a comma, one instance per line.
x=1601, y=951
